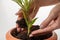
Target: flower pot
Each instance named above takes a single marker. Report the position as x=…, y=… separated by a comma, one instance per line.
x=10, y=37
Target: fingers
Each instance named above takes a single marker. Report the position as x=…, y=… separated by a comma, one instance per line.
x=49, y=28
x=43, y=31
x=46, y=22
x=36, y=33
x=33, y=9
x=20, y=16
x=40, y=31
x=19, y=29
x=54, y=26
x=52, y=16
x=42, y=27
x=51, y=23
x=58, y=21
x=20, y=13
x=34, y=12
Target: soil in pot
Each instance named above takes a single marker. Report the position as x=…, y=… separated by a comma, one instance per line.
x=23, y=34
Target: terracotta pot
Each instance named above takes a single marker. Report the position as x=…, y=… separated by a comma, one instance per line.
x=10, y=37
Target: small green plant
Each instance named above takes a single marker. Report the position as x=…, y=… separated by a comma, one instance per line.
x=25, y=6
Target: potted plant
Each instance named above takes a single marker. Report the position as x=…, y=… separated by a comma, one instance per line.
x=28, y=26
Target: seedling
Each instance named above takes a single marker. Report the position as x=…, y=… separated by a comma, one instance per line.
x=25, y=6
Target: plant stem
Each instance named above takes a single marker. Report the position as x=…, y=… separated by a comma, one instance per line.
x=25, y=17
x=27, y=22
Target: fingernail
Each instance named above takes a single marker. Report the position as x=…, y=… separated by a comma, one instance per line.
x=30, y=35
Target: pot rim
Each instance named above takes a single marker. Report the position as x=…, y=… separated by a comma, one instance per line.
x=8, y=35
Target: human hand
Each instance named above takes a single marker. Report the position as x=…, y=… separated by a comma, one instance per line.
x=51, y=23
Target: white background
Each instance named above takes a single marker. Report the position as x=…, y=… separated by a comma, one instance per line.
x=8, y=8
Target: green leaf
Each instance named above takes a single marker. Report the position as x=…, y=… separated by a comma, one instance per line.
x=32, y=22
x=26, y=5
x=20, y=3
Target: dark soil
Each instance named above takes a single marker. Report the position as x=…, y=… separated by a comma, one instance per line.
x=21, y=23
x=23, y=34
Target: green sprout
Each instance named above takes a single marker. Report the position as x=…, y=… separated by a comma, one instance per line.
x=25, y=6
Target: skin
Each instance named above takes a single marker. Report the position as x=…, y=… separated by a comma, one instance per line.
x=50, y=23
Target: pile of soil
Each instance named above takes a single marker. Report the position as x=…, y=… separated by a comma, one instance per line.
x=23, y=34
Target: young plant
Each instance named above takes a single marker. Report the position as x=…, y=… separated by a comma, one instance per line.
x=25, y=6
